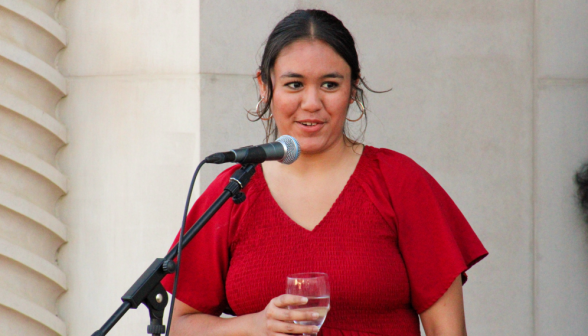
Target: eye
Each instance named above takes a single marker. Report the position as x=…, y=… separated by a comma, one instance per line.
x=330, y=85
x=294, y=85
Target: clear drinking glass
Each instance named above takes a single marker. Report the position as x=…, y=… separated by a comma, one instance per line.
x=315, y=287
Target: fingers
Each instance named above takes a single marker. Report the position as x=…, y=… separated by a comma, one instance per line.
x=286, y=300
x=291, y=314
x=279, y=319
x=290, y=328
x=278, y=309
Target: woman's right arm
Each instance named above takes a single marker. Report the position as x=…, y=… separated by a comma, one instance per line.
x=275, y=319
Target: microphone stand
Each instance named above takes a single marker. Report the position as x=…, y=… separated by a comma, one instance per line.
x=148, y=289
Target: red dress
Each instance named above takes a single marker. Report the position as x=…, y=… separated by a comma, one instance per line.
x=392, y=244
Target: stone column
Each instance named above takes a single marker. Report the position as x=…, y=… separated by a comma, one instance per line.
x=133, y=118
x=30, y=181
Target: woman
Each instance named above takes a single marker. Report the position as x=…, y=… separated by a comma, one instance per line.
x=393, y=243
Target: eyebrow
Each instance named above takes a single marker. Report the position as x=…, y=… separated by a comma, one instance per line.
x=296, y=75
x=334, y=75
x=291, y=75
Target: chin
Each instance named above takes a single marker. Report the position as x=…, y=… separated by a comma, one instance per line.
x=312, y=148
x=308, y=148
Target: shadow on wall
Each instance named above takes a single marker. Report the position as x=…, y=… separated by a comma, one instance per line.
x=582, y=183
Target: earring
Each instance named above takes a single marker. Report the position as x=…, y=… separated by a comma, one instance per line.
x=361, y=108
x=258, y=112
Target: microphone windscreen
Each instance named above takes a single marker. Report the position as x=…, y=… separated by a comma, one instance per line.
x=292, y=149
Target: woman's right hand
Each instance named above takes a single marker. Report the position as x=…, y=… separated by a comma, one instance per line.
x=276, y=318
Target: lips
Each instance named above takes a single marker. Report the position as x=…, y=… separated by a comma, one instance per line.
x=310, y=122
x=310, y=125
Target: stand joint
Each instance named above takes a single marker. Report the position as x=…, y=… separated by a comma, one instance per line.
x=156, y=301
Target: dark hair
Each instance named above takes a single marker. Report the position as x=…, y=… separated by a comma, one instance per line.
x=582, y=183
x=307, y=24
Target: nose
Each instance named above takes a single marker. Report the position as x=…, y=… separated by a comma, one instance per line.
x=311, y=100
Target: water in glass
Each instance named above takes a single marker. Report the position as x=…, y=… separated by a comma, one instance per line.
x=315, y=287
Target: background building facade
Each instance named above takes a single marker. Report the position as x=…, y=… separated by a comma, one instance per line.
x=106, y=107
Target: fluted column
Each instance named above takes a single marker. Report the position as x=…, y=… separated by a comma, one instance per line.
x=30, y=181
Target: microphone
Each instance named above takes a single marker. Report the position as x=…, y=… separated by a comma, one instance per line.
x=285, y=150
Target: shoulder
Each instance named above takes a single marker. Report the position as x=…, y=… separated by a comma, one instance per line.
x=221, y=181
x=390, y=161
x=217, y=186
x=397, y=173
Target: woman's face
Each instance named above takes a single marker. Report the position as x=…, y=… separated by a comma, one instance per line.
x=312, y=93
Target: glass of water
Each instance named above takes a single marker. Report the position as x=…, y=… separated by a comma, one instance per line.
x=315, y=287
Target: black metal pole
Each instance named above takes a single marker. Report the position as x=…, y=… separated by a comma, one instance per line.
x=113, y=319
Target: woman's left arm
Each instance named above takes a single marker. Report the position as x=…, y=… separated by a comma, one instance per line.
x=446, y=316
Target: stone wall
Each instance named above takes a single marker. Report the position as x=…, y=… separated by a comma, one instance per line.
x=560, y=145
x=133, y=117
x=491, y=97
x=461, y=105
x=31, y=182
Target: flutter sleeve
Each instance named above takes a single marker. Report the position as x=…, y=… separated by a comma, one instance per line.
x=435, y=240
x=205, y=261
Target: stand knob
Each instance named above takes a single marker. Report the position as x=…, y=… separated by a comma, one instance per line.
x=169, y=266
x=239, y=198
x=155, y=329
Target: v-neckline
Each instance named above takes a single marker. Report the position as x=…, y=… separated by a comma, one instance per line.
x=337, y=200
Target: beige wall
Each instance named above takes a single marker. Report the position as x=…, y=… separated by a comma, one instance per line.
x=479, y=90
x=461, y=106
x=31, y=182
x=560, y=146
x=490, y=96
x=133, y=115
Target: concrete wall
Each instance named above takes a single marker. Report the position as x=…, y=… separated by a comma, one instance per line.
x=30, y=180
x=490, y=97
x=133, y=114
x=560, y=146
x=461, y=106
